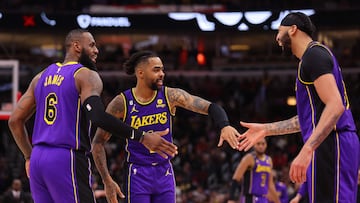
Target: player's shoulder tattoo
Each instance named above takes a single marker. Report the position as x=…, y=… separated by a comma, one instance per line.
x=185, y=100
x=117, y=106
x=176, y=94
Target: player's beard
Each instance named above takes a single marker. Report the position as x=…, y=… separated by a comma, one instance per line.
x=286, y=45
x=86, y=61
x=154, y=86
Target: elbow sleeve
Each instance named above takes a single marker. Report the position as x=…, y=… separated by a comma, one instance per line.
x=218, y=115
x=95, y=112
x=234, y=192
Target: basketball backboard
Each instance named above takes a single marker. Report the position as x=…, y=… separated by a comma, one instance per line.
x=9, y=86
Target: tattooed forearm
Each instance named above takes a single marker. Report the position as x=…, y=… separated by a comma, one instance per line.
x=101, y=137
x=98, y=152
x=322, y=131
x=187, y=101
x=99, y=156
x=284, y=127
x=318, y=139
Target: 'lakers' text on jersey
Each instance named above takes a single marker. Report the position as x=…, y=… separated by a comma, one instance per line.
x=151, y=116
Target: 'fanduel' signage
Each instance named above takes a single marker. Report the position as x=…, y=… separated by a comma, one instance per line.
x=85, y=21
x=234, y=18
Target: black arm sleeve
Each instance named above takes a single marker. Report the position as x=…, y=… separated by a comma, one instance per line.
x=234, y=190
x=95, y=112
x=218, y=115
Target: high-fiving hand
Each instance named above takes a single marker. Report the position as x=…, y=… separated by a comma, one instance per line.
x=255, y=132
x=231, y=135
x=154, y=142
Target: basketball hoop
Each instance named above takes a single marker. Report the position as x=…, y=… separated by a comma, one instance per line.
x=7, y=104
x=4, y=116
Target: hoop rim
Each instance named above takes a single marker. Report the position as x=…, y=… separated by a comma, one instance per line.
x=4, y=115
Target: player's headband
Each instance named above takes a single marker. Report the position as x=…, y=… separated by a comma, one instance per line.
x=301, y=20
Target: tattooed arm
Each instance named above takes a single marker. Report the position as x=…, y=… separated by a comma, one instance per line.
x=256, y=131
x=112, y=189
x=181, y=98
x=328, y=92
x=283, y=127
x=115, y=108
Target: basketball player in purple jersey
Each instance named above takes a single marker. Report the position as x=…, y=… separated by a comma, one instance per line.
x=254, y=172
x=329, y=159
x=150, y=106
x=65, y=97
x=280, y=187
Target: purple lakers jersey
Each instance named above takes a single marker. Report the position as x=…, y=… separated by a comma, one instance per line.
x=154, y=115
x=256, y=180
x=309, y=105
x=58, y=120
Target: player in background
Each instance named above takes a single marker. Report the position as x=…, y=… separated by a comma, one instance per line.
x=253, y=177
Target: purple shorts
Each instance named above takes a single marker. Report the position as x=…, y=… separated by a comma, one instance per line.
x=60, y=175
x=150, y=183
x=332, y=175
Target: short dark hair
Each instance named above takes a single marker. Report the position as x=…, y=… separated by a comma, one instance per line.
x=73, y=35
x=137, y=58
x=302, y=21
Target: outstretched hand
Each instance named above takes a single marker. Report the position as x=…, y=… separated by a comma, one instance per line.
x=230, y=134
x=255, y=132
x=112, y=191
x=154, y=142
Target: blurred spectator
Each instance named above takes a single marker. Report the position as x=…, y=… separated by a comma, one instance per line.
x=16, y=194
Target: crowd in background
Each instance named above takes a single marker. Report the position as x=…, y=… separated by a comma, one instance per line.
x=203, y=171
x=180, y=53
